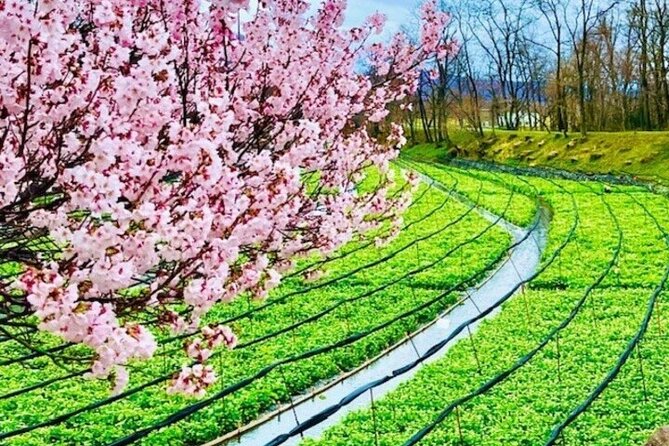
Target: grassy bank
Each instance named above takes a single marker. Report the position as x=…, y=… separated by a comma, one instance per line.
x=641, y=154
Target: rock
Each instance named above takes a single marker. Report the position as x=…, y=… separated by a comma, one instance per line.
x=572, y=143
x=596, y=156
x=541, y=143
x=554, y=154
x=660, y=437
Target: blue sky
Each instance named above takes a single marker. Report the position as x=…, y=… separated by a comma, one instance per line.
x=399, y=12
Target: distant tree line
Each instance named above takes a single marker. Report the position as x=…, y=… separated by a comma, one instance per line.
x=555, y=65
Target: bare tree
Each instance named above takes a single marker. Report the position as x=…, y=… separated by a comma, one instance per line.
x=501, y=37
x=660, y=39
x=554, y=13
x=468, y=96
x=551, y=64
x=639, y=18
x=586, y=16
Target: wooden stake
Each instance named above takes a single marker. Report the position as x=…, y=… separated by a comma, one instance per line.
x=643, y=376
x=476, y=355
x=376, y=431
x=557, y=343
x=457, y=418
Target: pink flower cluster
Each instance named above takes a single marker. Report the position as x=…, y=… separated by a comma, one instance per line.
x=58, y=307
x=193, y=381
x=196, y=379
x=178, y=163
x=202, y=349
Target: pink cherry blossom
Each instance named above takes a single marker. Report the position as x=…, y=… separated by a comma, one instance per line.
x=163, y=149
x=193, y=380
x=377, y=22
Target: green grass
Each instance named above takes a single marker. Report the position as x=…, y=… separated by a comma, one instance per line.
x=494, y=194
x=429, y=153
x=641, y=154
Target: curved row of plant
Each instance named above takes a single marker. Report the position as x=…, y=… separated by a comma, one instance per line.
x=523, y=206
x=444, y=244
x=524, y=372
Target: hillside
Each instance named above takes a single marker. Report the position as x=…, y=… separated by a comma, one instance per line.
x=640, y=154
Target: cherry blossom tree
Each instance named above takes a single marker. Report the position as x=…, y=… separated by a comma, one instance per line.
x=158, y=158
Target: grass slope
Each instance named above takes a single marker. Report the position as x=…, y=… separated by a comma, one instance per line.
x=641, y=154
